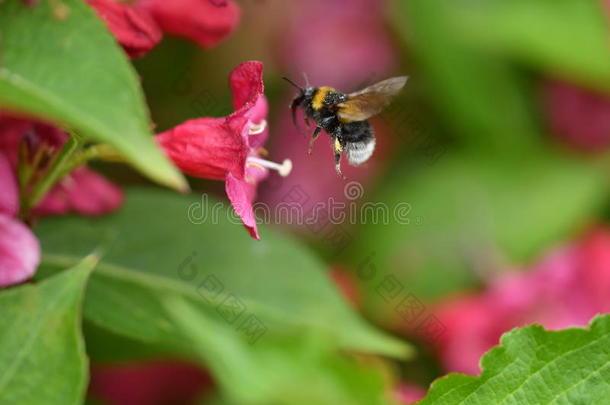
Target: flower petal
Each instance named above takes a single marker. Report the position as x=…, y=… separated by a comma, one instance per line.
x=9, y=195
x=133, y=28
x=352, y=34
x=219, y=3
x=569, y=286
x=577, y=115
x=19, y=252
x=12, y=130
x=249, y=101
x=241, y=193
x=82, y=191
x=163, y=381
x=198, y=20
x=246, y=82
x=207, y=147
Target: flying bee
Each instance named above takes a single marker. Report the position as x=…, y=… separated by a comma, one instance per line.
x=345, y=116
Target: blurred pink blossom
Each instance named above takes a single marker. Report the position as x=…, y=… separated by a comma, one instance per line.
x=133, y=28
x=19, y=249
x=9, y=195
x=204, y=22
x=578, y=116
x=149, y=383
x=338, y=43
x=567, y=288
x=409, y=394
x=82, y=191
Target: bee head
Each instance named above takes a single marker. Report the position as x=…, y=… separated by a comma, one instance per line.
x=305, y=93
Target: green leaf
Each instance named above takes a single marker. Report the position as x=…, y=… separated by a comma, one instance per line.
x=69, y=69
x=300, y=370
x=563, y=37
x=479, y=95
x=473, y=213
x=42, y=354
x=152, y=249
x=533, y=366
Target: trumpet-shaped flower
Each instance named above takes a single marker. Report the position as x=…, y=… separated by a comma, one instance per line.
x=229, y=148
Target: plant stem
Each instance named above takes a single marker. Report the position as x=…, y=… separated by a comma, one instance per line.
x=54, y=174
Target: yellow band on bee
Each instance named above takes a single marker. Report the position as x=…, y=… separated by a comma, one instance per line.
x=318, y=99
x=338, y=146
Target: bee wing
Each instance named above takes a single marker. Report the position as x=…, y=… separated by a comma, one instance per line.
x=365, y=103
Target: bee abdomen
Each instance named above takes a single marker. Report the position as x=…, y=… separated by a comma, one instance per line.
x=359, y=152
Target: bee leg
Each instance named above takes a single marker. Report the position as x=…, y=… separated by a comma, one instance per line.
x=338, y=149
x=338, y=165
x=316, y=132
x=293, y=107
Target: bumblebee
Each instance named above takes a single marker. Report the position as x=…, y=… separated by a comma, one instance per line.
x=345, y=116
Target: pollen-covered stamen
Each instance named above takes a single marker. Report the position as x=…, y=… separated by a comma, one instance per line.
x=259, y=128
x=283, y=169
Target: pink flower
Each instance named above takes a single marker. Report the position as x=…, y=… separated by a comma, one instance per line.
x=229, y=148
x=567, y=288
x=19, y=249
x=133, y=28
x=580, y=117
x=350, y=35
x=82, y=191
x=409, y=394
x=149, y=383
x=9, y=197
x=198, y=20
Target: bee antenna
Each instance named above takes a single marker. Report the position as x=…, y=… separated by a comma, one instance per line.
x=306, y=79
x=294, y=84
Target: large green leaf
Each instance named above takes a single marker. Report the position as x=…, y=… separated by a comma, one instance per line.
x=472, y=213
x=296, y=371
x=151, y=249
x=59, y=62
x=563, y=37
x=42, y=354
x=535, y=367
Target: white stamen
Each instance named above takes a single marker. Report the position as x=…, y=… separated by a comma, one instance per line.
x=283, y=169
x=256, y=129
